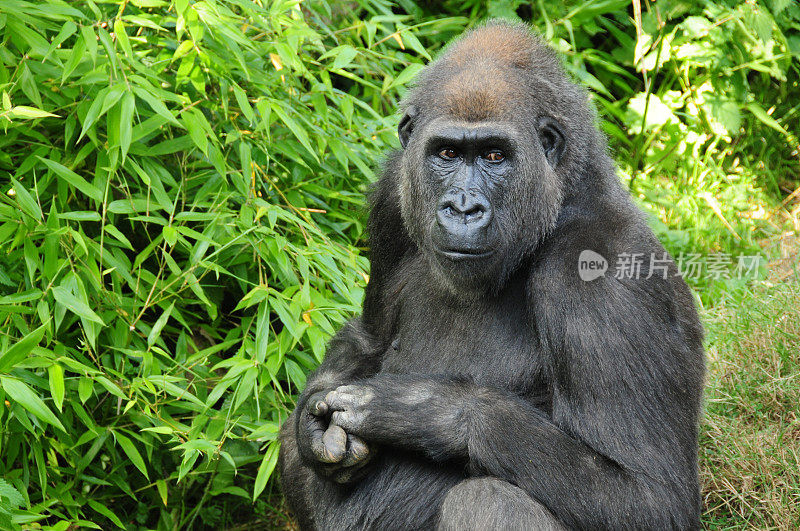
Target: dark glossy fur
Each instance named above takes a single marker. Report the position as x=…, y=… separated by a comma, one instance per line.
x=512, y=395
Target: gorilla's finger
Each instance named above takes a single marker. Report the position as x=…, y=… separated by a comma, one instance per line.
x=357, y=451
x=315, y=429
x=336, y=399
x=316, y=405
x=334, y=444
x=349, y=397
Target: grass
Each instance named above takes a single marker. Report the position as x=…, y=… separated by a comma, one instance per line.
x=750, y=438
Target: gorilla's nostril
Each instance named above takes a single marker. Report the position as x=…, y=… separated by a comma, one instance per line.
x=474, y=214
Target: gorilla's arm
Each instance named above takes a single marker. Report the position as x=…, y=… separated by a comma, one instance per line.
x=619, y=450
x=351, y=355
x=355, y=351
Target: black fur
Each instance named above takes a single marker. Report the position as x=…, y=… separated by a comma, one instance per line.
x=486, y=386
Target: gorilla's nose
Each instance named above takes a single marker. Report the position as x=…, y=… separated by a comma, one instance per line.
x=460, y=211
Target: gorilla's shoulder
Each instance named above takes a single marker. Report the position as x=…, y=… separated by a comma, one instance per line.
x=607, y=222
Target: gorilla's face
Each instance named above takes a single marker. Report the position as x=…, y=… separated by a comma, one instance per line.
x=477, y=197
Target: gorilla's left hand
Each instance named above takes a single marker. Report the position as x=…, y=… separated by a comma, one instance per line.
x=421, y=413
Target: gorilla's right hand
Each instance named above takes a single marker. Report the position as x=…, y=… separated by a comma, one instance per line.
x=326, y=447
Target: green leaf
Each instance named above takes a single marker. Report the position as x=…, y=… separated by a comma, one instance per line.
x=126, y=123
x=67, y=29
x=759, y=112
x=18, y=298
x=25, y=396
x=407, y=74
x=122, y=37
x=116, y=233
x=55, y=374
x=133, y=454
x=12, y=495
x=110, y=386
x=105, y=511
x=75, y=58
x=196, y=124
x=244, y=105
x=725, y=111
x=182, y=49
x=104, y=100
x=344, y=56
x=85, y=386
x=75, y=305
x=295, y=128
x=161, y=485
x=156, y=104
x=74, y=179
x=26, y=201
x=170, y=235
x=266, y=468
x=20, y=350
x=155, y=332
x=23, y=111
x=80, y=215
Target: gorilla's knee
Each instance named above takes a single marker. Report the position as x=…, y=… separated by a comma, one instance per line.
x=486, y=504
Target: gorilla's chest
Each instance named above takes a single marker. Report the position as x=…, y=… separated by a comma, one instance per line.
x=490, y=341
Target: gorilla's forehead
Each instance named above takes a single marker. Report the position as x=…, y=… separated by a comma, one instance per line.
x=480, y=92
x=490, y=73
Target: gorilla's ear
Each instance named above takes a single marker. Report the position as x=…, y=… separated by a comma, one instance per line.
x=406, y=125
x=552, y=139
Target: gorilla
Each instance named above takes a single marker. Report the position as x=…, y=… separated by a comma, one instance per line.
x=488, y=383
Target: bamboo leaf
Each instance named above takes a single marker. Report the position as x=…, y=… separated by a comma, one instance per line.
x=265, y=468
x=78, y=307
x=105, y=511
x=74, y=179
x=133, y=454
x=24, y=395
x=20, y=350
x=26, y=201
x=759, y=112
x=23, y=111
x=296, y=130
x=122, y=37
x=344, y=57
x=126, y=123
x=55, y=374
x=406, y=75
x=155, y=332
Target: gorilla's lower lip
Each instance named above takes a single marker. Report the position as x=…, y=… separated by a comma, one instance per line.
x=462, y=254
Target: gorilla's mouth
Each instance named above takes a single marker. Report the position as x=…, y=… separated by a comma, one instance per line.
x=465, y=253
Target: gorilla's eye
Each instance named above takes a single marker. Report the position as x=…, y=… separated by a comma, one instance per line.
x=494, y=156
x=448, y=153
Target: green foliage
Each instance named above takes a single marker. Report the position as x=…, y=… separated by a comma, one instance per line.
x=181, y=217
x=182, y=211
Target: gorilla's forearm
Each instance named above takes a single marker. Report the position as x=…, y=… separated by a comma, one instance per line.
x=511, y=439
x=496, y=433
